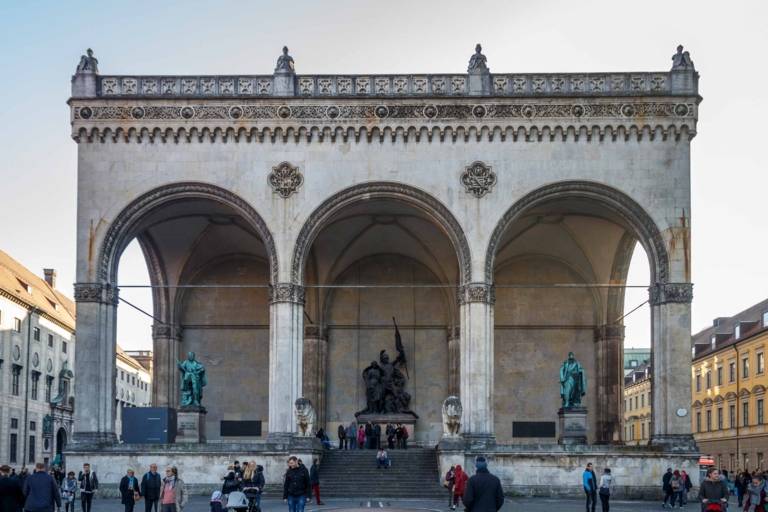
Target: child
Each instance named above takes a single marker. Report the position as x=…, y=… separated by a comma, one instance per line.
x=68, y=490
x=216, y=502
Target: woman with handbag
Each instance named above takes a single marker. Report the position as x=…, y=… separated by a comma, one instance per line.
x=129, y=490
x=450, y=478
x=606, y=482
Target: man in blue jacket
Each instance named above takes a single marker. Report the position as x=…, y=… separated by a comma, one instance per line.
x=41, y=492
x=590, y=487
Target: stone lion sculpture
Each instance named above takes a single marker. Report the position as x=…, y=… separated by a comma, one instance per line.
x=305, y=417
x=452, y=411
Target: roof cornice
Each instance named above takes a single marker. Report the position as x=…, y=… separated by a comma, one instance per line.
x=32, y=307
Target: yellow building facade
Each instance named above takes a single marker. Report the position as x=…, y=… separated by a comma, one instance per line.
x=637, y=405
x=728, y=412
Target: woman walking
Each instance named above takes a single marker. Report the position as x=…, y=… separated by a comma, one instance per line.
x=361, y=437
x=459, y=485
x=173, y=495
x=253, y=485
x=606, y=483
x=68, y=492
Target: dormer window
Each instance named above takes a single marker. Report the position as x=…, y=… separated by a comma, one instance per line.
x=713, y=340
x=765, y=319
x=737, y=331
x=25, y=286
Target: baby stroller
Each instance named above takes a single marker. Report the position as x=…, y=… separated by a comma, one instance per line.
x=252, y=495
x=237, y=502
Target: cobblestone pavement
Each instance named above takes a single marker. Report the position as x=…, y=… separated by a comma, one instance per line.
x=200, y=504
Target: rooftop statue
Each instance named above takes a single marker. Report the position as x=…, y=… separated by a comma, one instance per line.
x=573, y=382
x=682, y=60
x=193, y=380
x=88, y=63
x=478, y=61
x=284, y=62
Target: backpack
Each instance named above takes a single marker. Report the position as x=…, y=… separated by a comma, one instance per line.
x=675, y=483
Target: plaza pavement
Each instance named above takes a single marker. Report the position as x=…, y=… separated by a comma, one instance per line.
x=200, y=504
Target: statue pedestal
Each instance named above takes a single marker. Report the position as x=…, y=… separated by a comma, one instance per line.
x=190, y=425
x=572, y=425
x=407, y=420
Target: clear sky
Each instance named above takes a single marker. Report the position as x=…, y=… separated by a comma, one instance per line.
x=41, y=42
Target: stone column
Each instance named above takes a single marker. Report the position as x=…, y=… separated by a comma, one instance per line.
x=476, y=302
x=454, y=361
x=165, y=374
x=95, y=368
x=609, y=340
x=671, y=363
x=286, y=335
x=315, y=367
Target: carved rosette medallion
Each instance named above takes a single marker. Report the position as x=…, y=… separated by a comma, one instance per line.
x=286, y=292
x=666, y=293
x=285, y=179
x=478, y=179
x=103, y=293
x=476, y=292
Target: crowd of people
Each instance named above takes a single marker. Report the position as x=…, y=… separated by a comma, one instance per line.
x=751, y=490
x=481, y=492
x=369, y=436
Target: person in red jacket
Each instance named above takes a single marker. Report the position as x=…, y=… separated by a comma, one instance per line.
x=459, y=485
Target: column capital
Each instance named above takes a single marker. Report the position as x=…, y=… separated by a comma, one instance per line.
x=314, y=331
x=102, y=293
x=476, y=292
x=664, y=293
x=286, y=292
x=166, y=331
x=454, y=333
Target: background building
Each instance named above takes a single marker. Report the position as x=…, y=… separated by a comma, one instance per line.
x=637, y=405
x=729, y=383
x=133, y=384
x=635, y=357
x=37, y=345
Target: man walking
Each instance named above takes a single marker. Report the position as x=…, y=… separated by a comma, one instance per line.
x=666, y=487
x=342, y=432
x=314, y=479
x=11, y=495
x=590, y=487
x=483, y=492
x=41, y=492
x=296, y=486
x=129, y=490
x=150, y=488
x=89, y=484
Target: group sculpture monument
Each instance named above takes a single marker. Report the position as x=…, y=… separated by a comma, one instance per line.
x=572, y=414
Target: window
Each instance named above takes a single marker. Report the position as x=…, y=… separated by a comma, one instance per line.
x=32, y=448
x=765, y=319
x=48, y=387
x=122, y=375
x=719, y=375
x=709, y=421
x=36, y=333
x=709, y=379
x=737, y=331
x=133, y=380
x=15, y=374
x=35, y=385
x=635, y=401
x=642, y=400
x=719, y=418
x=50, y=340
x=760, y=412
x=17, y=324
x=63, y=347
x=14, y=447
x=732, y=371
x=698, y=422
x=745, y=414
x=33, y=426
x=642, y=431
x=14, y=422
x=731, y=416
x=760, y=363
x=698, y=382
x=745, y=367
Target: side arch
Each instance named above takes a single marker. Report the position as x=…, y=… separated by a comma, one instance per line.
x=120, y=230
x=627, y=208
x=371, y=190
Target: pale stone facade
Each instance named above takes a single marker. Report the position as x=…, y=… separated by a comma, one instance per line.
x=133, y=386
x=286, y=219
x=637, y=405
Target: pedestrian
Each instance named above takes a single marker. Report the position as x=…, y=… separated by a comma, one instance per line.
x=382, y=459
x=352, y=436
x=215, y=503
x=342, y=432
x=68, y=489
x=297, y=488
x=314, y=480
x=58, y=475
x=253, y=483
x=756, y=495
x=11, y=495
x=231, y=484
x=89, y=484
x=460, y=479
x=40, y=491
x=23, y=474
x=377, y=436
x=238, y=470
x=369, y=436
x=483, y=492
x=713, y=492
x=687, y=485
x=604, y=490
x=361, y=437
x=405, y=435
x=666, y=488
x=149, y=488
x=743, y=479
x=173, y=494
x=323, y=437
x=129, y=490
x=590, y=487
x=450, y=479
x=390, y=433
x=677, y=484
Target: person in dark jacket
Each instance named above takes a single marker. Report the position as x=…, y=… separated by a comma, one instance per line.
x=253, y=483
x=129, y=490
x=231, y=484
x=41, y=492
x=89, y=484
x=297, y=489
x=342, y=432
x=483, y=492
x=713, y=492
x=377, y=436
x=150, y=488
x=314, y=479
x=666, y=488
x=11, y=495
x=369, y=441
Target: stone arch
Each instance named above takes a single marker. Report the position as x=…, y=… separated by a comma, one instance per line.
x=627, y=208
x=397, y=191
x=119, y=233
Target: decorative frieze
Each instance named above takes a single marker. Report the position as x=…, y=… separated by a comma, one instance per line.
x=476, y=292
x=664, y=293
x=285, y=179
x=103, y=293
x=478, y=179
x=286, y=292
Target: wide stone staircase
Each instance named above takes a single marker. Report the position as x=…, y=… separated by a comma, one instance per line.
x=353, y=474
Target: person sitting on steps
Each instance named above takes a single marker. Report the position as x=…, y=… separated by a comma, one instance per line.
x=382, y=459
